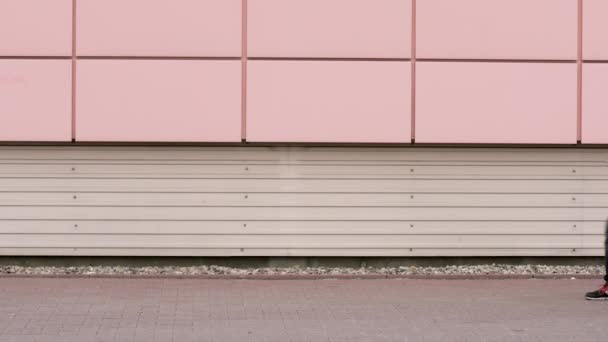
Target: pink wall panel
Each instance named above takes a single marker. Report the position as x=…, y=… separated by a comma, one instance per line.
x=329, y=28
x=35, y=100
x=595, y=103
x=497, y=29
x=595, y=29
x=328, y=101
x=470, y=102
x=36, y=27
x=210, y=28
x=158, y=100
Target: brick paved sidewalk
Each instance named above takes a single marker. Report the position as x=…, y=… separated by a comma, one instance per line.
x=179, y=310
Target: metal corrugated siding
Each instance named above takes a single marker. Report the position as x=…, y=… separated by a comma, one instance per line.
x=302, y=201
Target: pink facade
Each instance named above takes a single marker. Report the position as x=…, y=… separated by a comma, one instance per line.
x=497, y=29
x=329, y=29
x=595, y=30
x=347, y=71
x=321, y=101
x=595, y=103
x=158, y=100
x=35, y=28
x=35, y=100
x=166, y=28
x=524, y=103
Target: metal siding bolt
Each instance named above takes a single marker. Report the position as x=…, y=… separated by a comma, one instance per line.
x=246, y=196
x=242, y=249
x=245, y=225
x=573, y=171
x=73, y=169
x=74, y=197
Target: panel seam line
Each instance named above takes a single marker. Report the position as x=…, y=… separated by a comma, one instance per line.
x=413, y=74
x=73, y=105
x=579, y=81
x=244, y=71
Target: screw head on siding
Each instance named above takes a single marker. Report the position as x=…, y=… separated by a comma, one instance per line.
x=412, y=196
x=75, y=225
x=73, y=169
x=242, y=249
x=244, y=225
x=74, y=197
x=573, y=171
x=246, y=196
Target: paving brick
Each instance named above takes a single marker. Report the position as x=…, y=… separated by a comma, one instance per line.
x=117, y=310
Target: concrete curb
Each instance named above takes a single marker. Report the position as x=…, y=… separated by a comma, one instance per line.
x=309, y=276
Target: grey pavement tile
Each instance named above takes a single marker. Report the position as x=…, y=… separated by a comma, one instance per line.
x=183, y=310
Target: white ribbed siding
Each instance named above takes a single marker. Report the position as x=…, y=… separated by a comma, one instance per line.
x=302, y=201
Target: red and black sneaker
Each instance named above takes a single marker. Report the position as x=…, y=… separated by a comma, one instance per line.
x=599, y=294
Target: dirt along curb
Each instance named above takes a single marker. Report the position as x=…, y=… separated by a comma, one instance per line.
x=309, y=276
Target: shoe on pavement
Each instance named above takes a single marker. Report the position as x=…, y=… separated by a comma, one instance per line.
x=598, y=294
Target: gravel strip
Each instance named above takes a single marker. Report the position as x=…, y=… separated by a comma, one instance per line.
x=291, y=272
